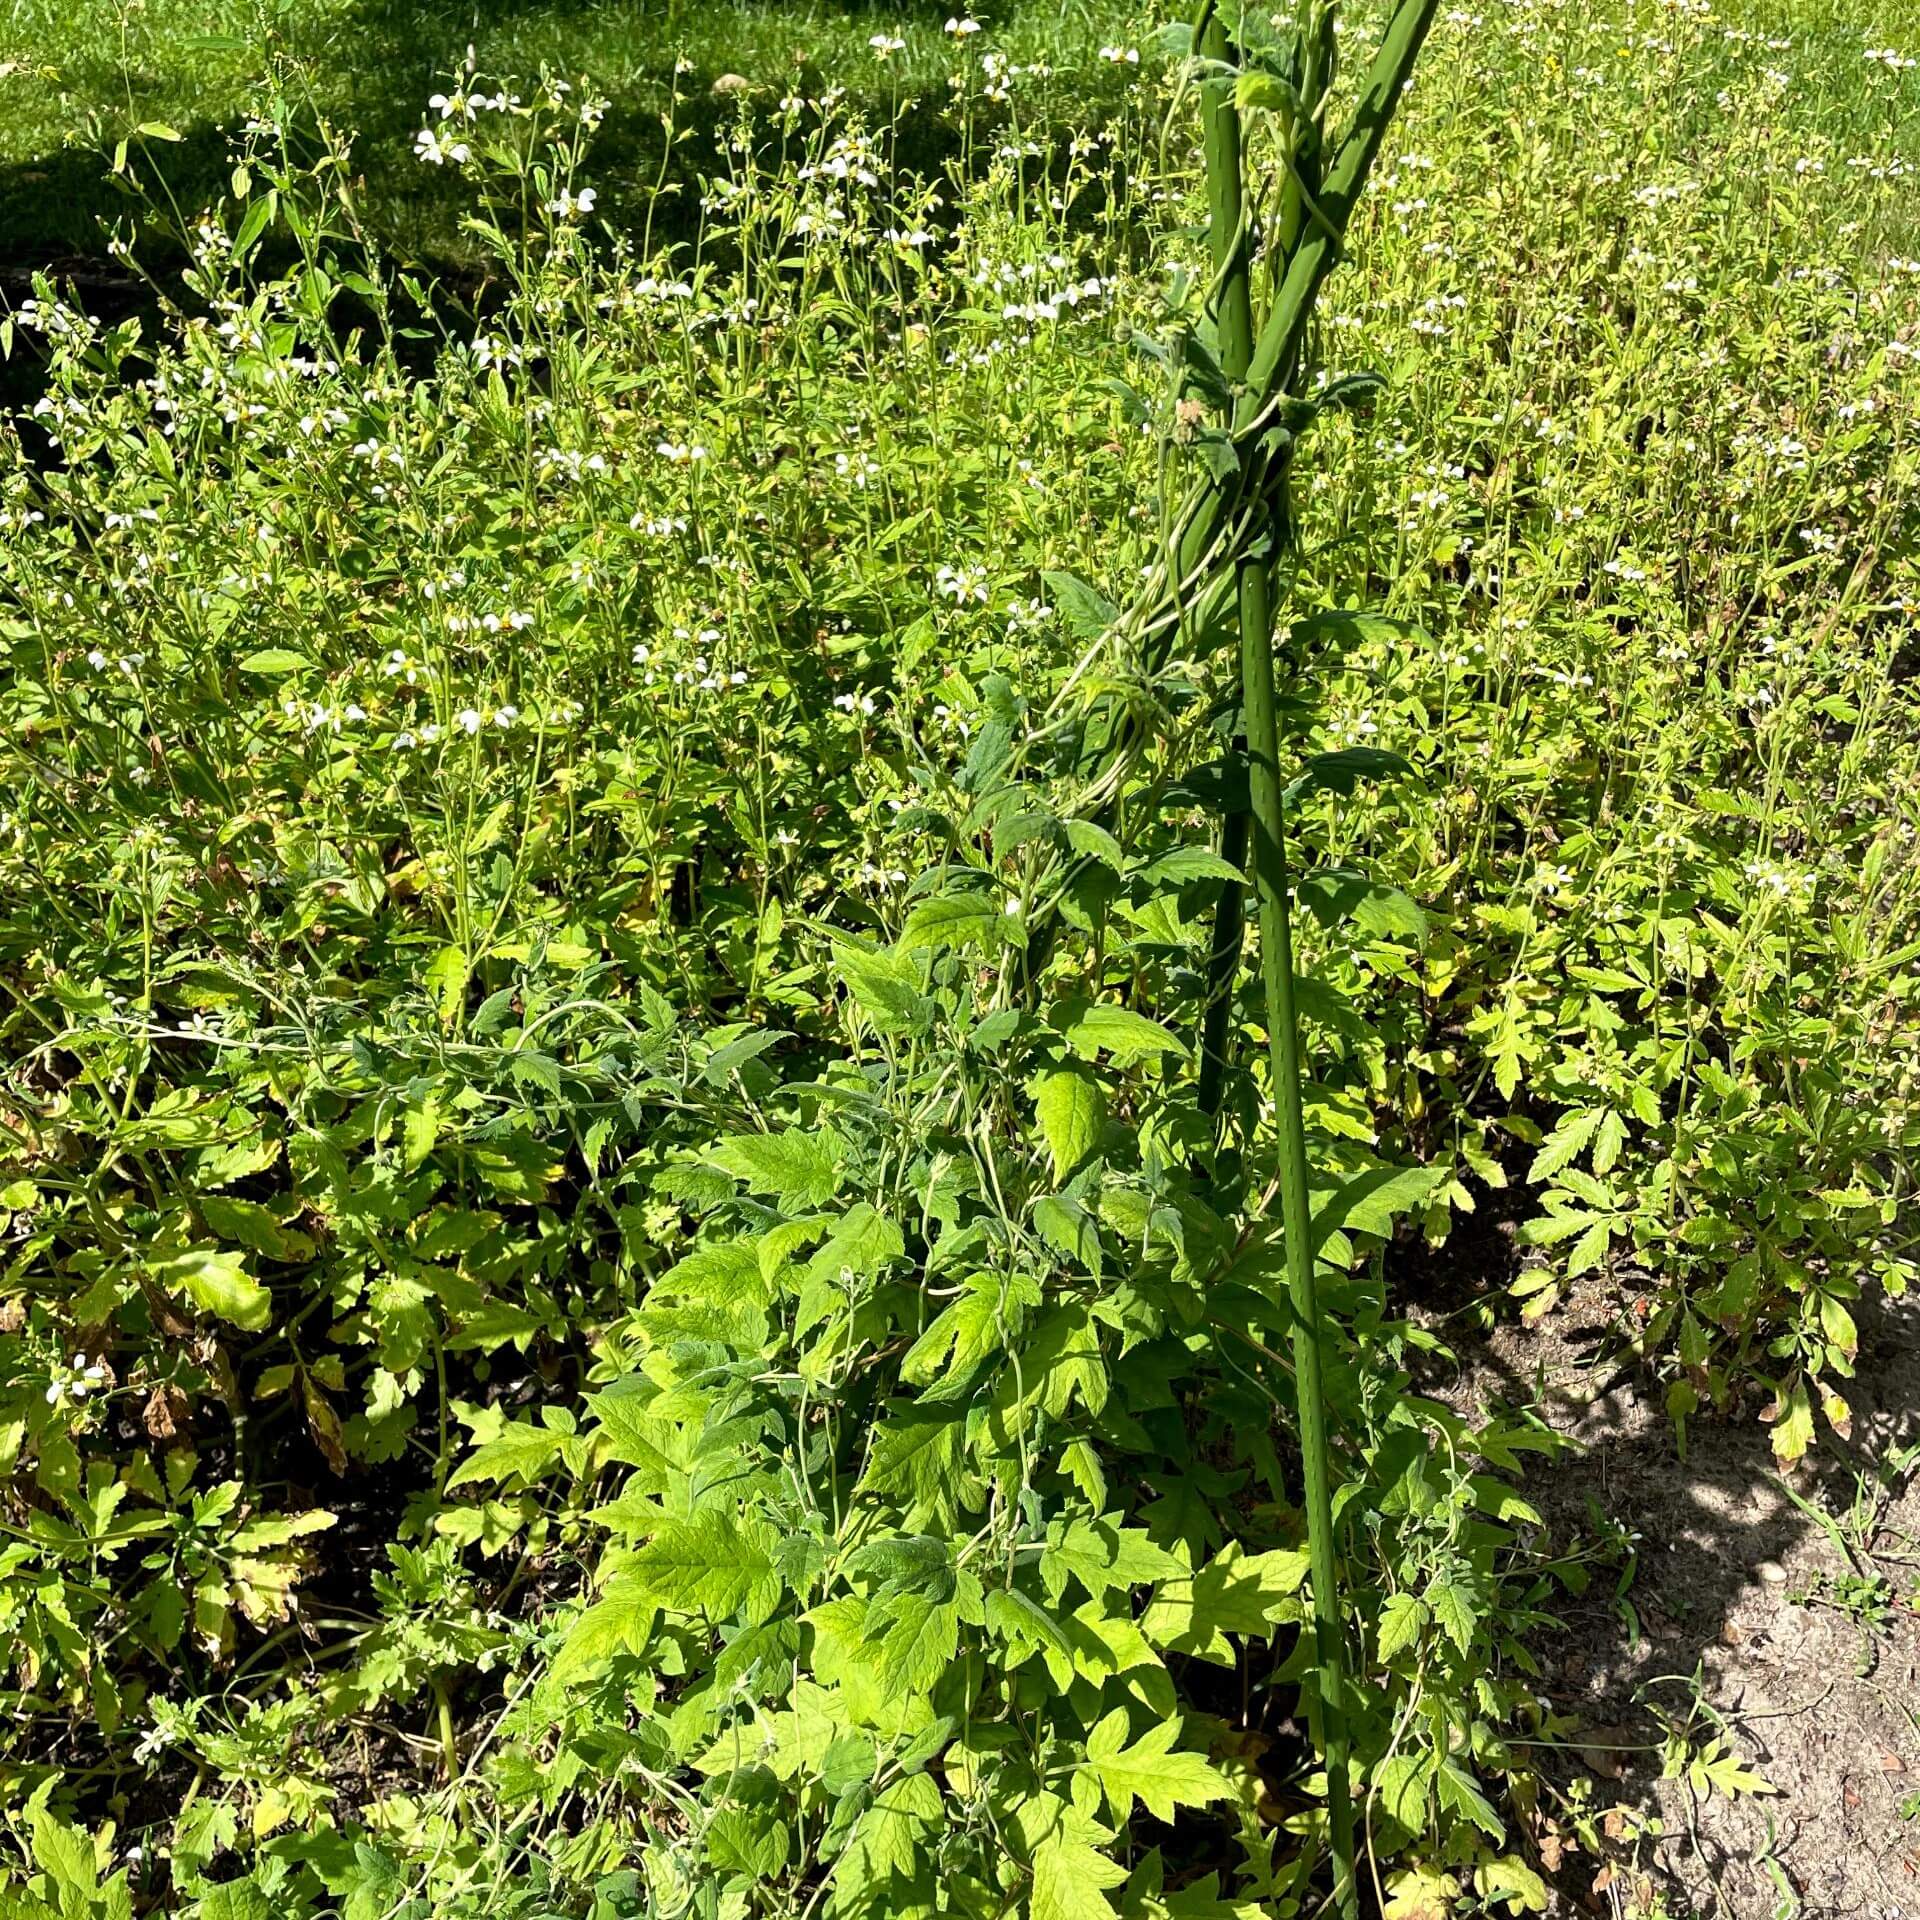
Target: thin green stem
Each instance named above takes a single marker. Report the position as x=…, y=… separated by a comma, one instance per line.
x=1228, y=235
x=1283, y=1043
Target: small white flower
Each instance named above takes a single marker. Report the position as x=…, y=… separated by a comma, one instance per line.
x=569, y=205
x=467, y=720
x=963, y=25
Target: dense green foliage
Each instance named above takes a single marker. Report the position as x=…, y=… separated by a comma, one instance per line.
x=616, y=1296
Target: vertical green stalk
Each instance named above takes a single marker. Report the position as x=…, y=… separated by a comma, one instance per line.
x=1283, y=1045
x=1233, y=317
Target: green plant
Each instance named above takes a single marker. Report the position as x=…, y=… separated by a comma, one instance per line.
x=614, y=962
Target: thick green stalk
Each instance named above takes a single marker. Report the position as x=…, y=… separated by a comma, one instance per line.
x=1283, y=1043
x=1313, y=259
x=1285, y=331
x=1227, y=233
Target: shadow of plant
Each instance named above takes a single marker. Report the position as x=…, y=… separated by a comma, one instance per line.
x=1746, y=1734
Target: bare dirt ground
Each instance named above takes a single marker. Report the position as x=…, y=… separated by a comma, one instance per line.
x=1805, y=1641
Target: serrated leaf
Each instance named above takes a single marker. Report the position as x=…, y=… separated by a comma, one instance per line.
x=1341, y=771
x=1235, y=1592
x=1402, y=1621
x=954, y=920
x=918, y=1636
x=1334, y=894
x=270, y=662
x=522, y=1453
x=1460, y=1793
x=254, y=1227
x=1102, y=1555
x=711, y=1565
x=1150, y=1771
x=620, y=1621
x=1510, y=1882
x=1371, y=1202
x=1186, y=864
x=1127, y=1035
x=884, y=986
x=217, y=1282
x=799, y=1166
x=1454, y=1609
x=1019, y=1618
x=1070, y=1880
x=1087, y=612
x=1071, y=1110
x=1565, y=1142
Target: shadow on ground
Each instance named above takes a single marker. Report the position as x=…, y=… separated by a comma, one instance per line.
x=1795, y=1644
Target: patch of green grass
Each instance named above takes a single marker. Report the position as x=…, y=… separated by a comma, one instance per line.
x=76, y=78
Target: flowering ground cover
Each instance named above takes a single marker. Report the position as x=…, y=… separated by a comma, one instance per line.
x=618, y=1293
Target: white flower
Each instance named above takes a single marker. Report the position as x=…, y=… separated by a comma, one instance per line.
x=568, y=204
x=75, y=1381
x=960, y=584
x=467, y=719
x=964, y=25
x=885, y=45
x=428, y=146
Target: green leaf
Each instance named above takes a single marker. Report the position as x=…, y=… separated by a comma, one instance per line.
x=1150, y=1771
x=1070, y=1880
x=66, y=1856
x=800, y=1166
x=884, y=986
x=918, y=1636
x=711, y=1565
x=954, y=920
x=1235, y=1592
x=1453, y=1607
x=1371, y=1202
x=1460, y=1793
x=1511, y=1881
x=1402, y=1621
x=248, y=1222
x=1128, y=1036
x=446, y=980
x=1087, y=612
x=620, y=1621
x=273, y=661
x=217, y=1282
x=1793, y=1425
x=1102, y=1555
x=863, y=1240
x=1072, y=1110
x=723, y=1273
x=1341, y=771
x=1024, y=1622
x=1186, y=864
x=1257, y=92
x=887, y=1842
x=1564, y=1144
x=1334, y=894
x=522, y=1453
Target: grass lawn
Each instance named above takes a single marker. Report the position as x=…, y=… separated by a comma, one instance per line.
x=77, y=75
